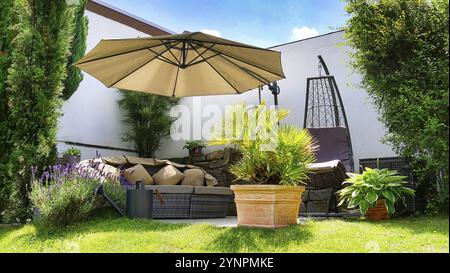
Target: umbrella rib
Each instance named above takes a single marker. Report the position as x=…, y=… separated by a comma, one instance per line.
x=235, y=89
x=134, y=70
x=249, y=72
x=199, y=55
x=122, y=53
x=242, y=61
x=164, y=59
x=254, y=75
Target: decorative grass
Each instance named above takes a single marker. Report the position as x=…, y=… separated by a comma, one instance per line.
x=414, y=234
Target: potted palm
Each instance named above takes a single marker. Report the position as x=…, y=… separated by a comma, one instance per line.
x=272, y=168
x=375, y=192
x=194, y=147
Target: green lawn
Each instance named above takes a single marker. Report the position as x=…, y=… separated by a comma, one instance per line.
x=422, y=234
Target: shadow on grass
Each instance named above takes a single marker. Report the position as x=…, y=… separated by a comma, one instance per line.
x=245, y=239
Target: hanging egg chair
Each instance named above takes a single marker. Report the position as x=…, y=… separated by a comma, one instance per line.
x=326, y=120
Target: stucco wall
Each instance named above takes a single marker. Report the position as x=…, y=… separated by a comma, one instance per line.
x=91, y=115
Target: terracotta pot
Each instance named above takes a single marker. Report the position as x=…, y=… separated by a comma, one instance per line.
x=195, y=151
x=379, y=212
x=270, y=206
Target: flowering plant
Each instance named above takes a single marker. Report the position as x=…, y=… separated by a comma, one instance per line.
x=64, y=194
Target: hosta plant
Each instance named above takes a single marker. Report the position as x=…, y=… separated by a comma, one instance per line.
x=364, y=190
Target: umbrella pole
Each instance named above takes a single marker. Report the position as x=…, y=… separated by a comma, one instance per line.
x=275, y=92
x=259, y=93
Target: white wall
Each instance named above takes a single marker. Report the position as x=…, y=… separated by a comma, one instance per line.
x=92, y=116
x=299, y=62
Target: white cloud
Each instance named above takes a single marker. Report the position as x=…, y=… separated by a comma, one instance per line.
x=304, y=32
x=212, y=32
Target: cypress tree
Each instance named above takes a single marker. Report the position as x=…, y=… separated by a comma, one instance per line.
x=77, y=48
x=34, y=86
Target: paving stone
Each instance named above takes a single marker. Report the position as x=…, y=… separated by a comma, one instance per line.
x=215, y=164
x=305, y=195
x=320, y=195
x=215, y=155
x=317, y=206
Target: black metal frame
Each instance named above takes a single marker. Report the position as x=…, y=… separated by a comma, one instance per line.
x=332, y=104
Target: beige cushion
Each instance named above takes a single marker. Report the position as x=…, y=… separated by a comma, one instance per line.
x=210, y=180
x=138, y=172
x=193, y=177
x=169, y=175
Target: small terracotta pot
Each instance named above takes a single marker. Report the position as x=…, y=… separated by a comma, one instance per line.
x=379, y=212
x=270, y=206
x=196, y=151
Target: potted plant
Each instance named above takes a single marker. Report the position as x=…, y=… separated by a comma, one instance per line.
x=272, y=168
x=72, y=155
x=375, y=192
x=194, y=147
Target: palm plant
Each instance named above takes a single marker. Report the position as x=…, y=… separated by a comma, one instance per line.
x=365, y=189
x=270, y=154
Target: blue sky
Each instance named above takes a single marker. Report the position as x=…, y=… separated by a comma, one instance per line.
x=261, y=23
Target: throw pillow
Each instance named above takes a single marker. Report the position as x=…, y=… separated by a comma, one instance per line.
x=136, y=173
x=193, y=177
x=169, y=175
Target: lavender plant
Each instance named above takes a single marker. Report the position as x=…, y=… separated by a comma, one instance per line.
x=64, y=194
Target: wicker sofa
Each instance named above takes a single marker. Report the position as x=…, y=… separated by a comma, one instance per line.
x=179, y=201
x=190, y=202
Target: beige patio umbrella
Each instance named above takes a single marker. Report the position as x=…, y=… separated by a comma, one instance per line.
x=181, y=65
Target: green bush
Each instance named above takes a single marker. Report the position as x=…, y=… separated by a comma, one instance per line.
x=66, y=194
x=363, y=190
x=279, y=158
x=38, y=57
x=148, y=120
x=77, y=48
x=401, y=50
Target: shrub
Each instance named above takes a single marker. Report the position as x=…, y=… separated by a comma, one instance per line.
x=365, y=189
x=65, y=194
x=72, y=151
x=77, y=48
x=38, y=56
x=147, y=117
x=281, y=158
x=401, y=50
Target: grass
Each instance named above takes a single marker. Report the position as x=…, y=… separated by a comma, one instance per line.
x=415, y=234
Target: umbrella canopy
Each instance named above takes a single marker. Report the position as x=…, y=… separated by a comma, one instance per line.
x=181, y=65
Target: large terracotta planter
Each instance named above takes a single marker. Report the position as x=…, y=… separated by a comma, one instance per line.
x=270, y=206
x=379, y=212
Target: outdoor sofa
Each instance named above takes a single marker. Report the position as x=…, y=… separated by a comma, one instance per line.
x=201, y=199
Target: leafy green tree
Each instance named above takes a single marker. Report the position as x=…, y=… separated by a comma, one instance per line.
x=147, y=117
x=35, y=78
x=77, y=48
x=6, y=35
x=401, y=49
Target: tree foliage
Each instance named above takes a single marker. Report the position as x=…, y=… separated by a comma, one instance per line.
x=6, y=35
x=77, y=48
x=401, y=50
x=148, y=120
x=38, y=56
